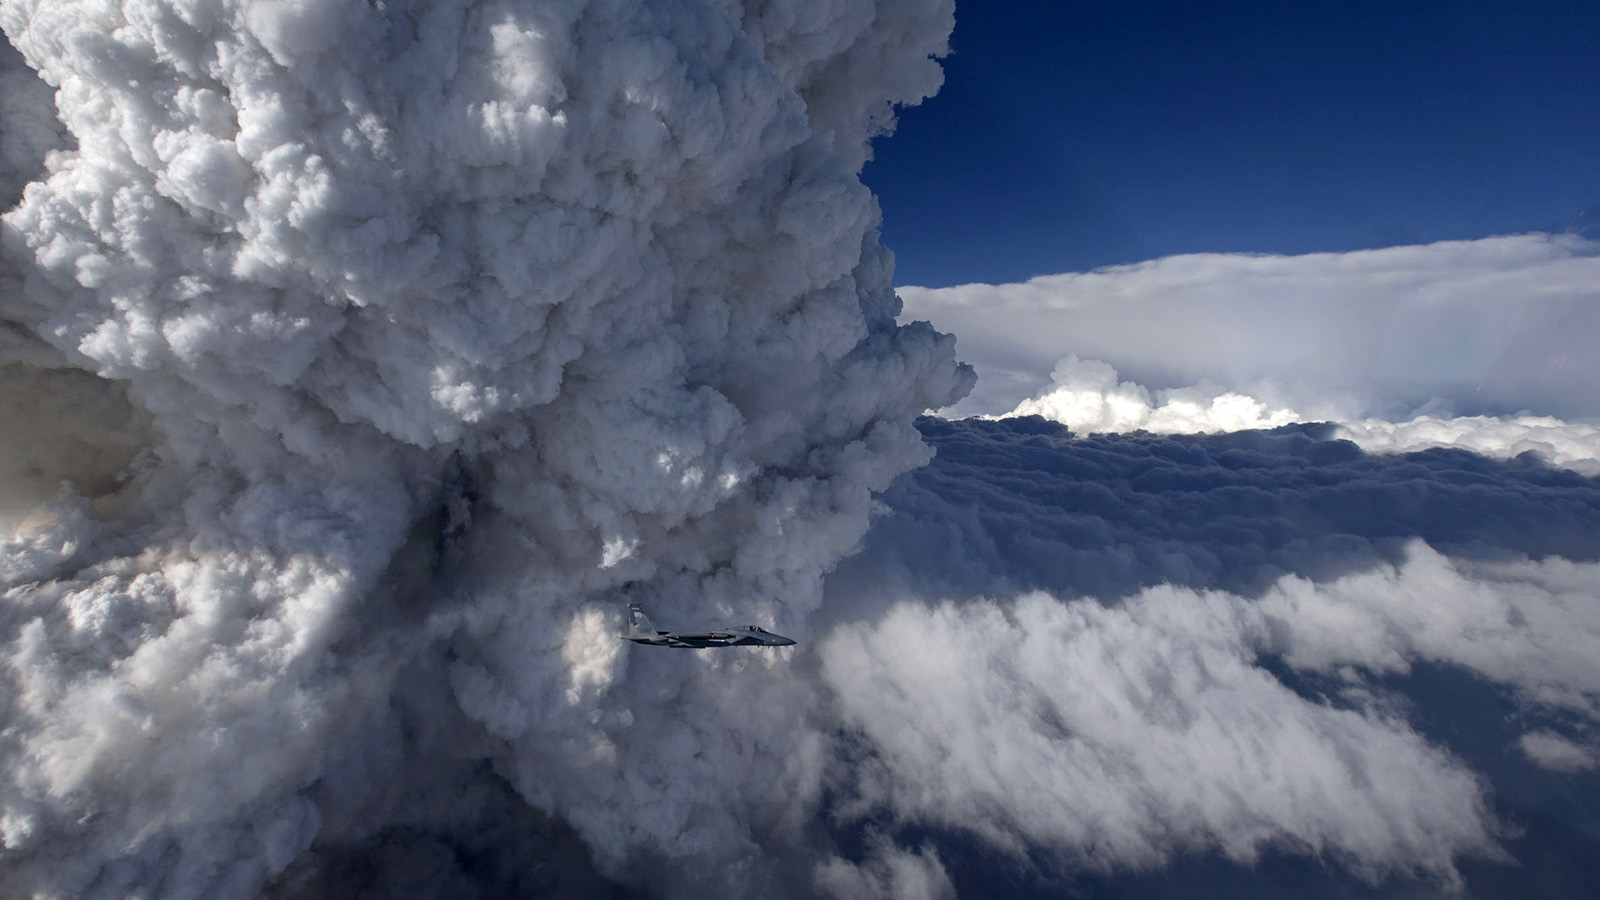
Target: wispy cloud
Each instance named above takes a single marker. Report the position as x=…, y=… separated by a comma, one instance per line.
x=1123, y=737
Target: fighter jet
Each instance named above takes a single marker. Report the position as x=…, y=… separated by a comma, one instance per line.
x=640, y=631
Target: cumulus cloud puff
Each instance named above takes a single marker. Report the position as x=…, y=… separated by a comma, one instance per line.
x=1088, y=397
x=1569, y=444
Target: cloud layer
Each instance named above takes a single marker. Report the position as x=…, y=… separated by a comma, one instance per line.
x=361, y=361
x=1112, y=654
x=1089, y=398
x=1121, y=737
x=1486, y=327
x=1021, y=504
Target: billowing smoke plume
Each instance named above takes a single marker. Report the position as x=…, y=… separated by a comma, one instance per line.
x=359, y=359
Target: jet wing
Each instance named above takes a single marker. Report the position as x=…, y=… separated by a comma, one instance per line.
x=640, y=631
x=698, y=638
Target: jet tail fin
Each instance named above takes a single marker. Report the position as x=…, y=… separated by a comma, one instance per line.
x=638, y=622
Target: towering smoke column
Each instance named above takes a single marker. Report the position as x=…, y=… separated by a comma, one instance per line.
x=361, y=358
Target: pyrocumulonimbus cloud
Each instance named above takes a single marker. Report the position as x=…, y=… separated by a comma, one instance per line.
x=382, y=350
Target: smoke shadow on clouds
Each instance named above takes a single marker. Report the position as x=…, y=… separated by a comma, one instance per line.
x=504, y=850
x=1020, y=504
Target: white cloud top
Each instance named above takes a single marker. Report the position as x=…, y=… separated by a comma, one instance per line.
x=1471, y=344
x=1087, y=397
x=1490, y=326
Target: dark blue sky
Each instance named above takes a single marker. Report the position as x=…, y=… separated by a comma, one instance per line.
x=1071, y=135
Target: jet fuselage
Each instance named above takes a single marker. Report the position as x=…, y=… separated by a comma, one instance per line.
x=640, y=631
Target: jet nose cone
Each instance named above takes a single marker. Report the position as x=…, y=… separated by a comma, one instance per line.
x=785, y=642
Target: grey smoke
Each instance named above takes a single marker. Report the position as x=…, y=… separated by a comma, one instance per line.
x=400, y=343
